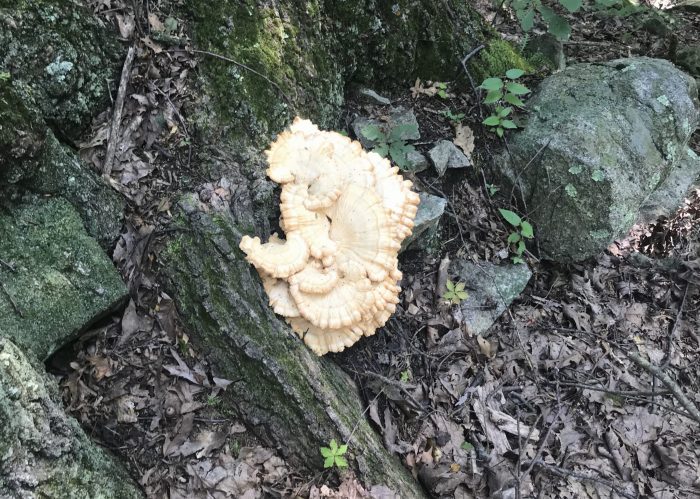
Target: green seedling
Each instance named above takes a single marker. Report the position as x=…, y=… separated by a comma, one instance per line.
x=516, y=239
x=392, y=144
x=333, y=455
x=499, y=93
x=455, y=118
x=527, y=10
x=455, y=293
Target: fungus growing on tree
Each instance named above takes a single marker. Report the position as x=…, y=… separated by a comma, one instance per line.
x=345, y=212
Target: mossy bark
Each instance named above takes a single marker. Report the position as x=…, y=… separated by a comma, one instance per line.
x=289, y=398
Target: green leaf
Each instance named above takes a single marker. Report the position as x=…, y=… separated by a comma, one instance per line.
x=459, y=287
x=341, y=462
x=325, y=452
x=450, y=285
x=526, y=230
x=334, y=446
x=576, y=169
x=517, y=259
x=511, y=217
x=598, y=175
x=382, y=150
x=521, y=247
x=513, y=238
x=499, y=131
x=559, y=27
x=546, y=13
x=571, y=190
x=401, y=131
x=517, y=88
x=373, y=132
x=514, y=73
x=493, y=96
x=508, y=124
x=342, y=450
x=492, y=84
x=492, y=120
x=328, y=463
x=467, y=446
x=503, y=112
x=527, y=20
x=462, y=295
x=514, y=99
x=571, y=5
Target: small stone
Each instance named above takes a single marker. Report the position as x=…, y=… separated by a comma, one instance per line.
x=549, y=47
x=491, y=288
x=446, y=155
x=358, y=125
x=430, y=211
x=416, y=162
x=401, y=116
x=371, y=97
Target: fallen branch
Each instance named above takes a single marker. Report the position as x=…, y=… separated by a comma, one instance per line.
x=117, y=116
x=564, y=473
x=687, y=404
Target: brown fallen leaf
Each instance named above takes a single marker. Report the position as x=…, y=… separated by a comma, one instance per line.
x=464, y=139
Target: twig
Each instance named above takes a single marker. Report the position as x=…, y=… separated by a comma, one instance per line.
x=564, y=473
x=687, y=404
x=117, y=116
x=247, y=68
x=9, y=266
x=469, y=76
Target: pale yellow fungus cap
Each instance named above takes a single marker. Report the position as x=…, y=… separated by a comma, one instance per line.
x=345, y=213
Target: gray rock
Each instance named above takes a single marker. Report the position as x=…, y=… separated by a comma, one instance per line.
x=681, y=178
x=370, y=96
x=60, y=281
x=446, y=155
x=417, y=162
x=65, y=57
x=401, y=116
x=610, y=135
x=491, y=290
x=359, y=124
x=549, y=48
x=32, y=159
x=44, y=452
x=430, y=211
x=689, y=5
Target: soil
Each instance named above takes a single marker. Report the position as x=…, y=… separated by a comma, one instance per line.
x=554, y=381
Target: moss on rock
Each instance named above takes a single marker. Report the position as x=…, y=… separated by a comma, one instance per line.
x=62, y=53
x=61, y=281
x=43, y=452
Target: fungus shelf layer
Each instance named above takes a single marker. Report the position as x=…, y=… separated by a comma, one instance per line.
x=345, y=212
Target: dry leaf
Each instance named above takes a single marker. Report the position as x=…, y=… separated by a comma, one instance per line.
x=464, y=139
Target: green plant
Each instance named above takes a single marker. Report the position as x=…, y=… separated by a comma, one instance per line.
x=455, y=292
x=523, y=230
x=405, y=376
x=499, y=93
x=4, y=75
x=392, y=144
x=527, y=10
x=333, y=455
x=455, y=118
x=442, y=89
x=493, y=189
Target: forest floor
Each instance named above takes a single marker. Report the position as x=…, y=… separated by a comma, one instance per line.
x=554, y=384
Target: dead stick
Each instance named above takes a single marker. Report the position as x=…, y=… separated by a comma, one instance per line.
x=687, y=404
x=117, y=116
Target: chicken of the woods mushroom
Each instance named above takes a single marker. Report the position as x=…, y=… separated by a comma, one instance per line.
x=345, y=212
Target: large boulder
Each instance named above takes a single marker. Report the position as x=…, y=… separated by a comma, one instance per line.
x=43, y=452
x=32, y=159
x=608, y=136
x=56, y=280
x=63, y=55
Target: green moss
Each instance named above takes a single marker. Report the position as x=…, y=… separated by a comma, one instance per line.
x=498, y=57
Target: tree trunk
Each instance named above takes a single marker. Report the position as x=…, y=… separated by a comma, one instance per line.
x=262, y=65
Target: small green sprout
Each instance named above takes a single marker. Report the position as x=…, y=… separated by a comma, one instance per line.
x=455, y=118
x=334, y=455
x=499, y=93
x=442, y=89
x=523, y=230
x=405, y=376
x=493, y=189
x=455, y=292
x=4, y=75
x=391, y=144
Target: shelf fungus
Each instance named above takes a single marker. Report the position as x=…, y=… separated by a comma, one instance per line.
x=345, y=213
